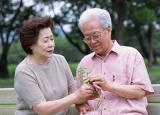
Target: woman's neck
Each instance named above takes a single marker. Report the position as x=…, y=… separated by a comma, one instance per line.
x=37, y=61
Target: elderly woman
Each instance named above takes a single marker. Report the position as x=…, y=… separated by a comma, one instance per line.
x=43, y=81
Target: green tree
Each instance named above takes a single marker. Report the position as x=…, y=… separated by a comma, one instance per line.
x=70, y=13
x=143, y=16
x=121, y=12
x=128, y=17
x=15, y=58
x=65, y=48
x=62, y=46
x=12, y=15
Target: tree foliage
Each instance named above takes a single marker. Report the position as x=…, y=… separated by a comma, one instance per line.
x=137, y=14
x=62, y=46
x=12, y=16
x=143, y=15
x=134, y=20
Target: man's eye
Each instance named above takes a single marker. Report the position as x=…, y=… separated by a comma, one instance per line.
x=96, y=36
x=87, y=38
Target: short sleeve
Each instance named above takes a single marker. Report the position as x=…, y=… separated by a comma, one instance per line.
x=27, y=87
x=140, y=75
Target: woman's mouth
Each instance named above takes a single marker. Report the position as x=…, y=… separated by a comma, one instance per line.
x=50, y=51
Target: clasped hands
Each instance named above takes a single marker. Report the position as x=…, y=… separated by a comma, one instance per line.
x=87, y=91
x=98, y=83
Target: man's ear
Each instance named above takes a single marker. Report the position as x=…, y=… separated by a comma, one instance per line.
x=108, y=29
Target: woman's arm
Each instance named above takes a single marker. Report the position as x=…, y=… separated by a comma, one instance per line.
x=51, y=107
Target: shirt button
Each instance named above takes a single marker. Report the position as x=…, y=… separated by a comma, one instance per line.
x=104, y=73
x=104, y=108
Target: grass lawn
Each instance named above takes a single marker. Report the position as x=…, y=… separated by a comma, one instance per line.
x=154, y=74
x=6, y=83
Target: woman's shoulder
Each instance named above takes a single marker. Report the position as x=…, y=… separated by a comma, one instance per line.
x=22, y=67
x=58, y=57
x=22, y=64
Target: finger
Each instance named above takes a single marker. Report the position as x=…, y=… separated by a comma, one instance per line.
x=91, y=109
x=98, y=82
x=90, y=91
x=95, y=79
x=96, y=87
x=86, y=110
x=87, y=87
x=81, y=113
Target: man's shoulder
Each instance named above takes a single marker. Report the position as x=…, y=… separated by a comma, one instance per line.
x=128, y=49
x=87, y=59
x=88, y=56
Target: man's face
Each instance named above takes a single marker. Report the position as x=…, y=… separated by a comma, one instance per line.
x=93, y=29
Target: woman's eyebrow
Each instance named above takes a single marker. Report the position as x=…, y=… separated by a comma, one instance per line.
x=48, y=36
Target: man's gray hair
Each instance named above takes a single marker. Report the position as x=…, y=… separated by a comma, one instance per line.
x=92, y=13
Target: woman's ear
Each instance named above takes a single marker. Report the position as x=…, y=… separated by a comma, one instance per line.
x=31, y=47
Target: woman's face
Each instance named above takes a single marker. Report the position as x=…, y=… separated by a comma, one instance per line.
x=44, y=46
x=93, y=28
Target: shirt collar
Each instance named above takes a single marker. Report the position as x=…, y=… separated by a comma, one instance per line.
x=116, y=47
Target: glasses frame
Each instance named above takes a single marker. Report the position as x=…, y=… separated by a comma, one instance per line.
x=91, y=37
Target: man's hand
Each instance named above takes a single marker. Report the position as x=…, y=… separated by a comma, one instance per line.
x=83, y=108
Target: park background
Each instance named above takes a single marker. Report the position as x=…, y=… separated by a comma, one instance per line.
x=136, y=23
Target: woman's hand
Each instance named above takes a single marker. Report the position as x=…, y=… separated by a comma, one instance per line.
x=84, y=93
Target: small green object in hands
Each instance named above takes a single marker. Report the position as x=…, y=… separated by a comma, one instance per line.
x=84, y=78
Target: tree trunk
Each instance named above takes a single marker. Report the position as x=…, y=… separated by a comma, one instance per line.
x=155, y=62
x=140, y=39
x=150, y=40
x=120, y=7
x=3, y=63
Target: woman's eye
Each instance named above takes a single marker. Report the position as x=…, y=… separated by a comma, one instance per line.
x=45, y=41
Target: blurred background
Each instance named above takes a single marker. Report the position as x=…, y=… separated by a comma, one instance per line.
x=136, y=23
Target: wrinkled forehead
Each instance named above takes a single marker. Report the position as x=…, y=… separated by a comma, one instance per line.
x=92, y=27
x=95, y=33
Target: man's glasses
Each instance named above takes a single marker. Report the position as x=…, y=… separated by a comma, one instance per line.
x=95, y=36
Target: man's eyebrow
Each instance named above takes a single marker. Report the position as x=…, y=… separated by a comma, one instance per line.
x=92, y=33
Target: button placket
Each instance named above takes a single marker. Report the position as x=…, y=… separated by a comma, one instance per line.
x=103, y=69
